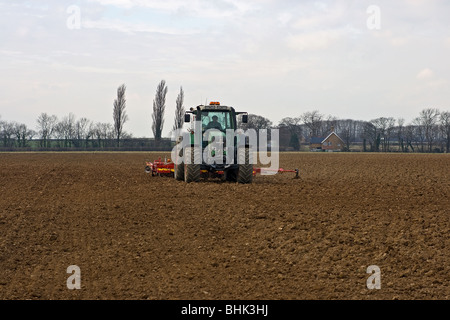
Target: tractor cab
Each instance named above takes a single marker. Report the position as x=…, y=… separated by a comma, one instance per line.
x=215, y=119
x=215, y=116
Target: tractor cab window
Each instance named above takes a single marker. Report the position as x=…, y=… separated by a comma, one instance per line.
x=219, y=120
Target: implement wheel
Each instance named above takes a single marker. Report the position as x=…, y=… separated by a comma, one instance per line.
x=178, y=172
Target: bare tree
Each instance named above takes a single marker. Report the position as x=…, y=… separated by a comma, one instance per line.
x=256, y=122
x=7, y=131
x=59, y=133
x=65, y=130
x=91, y=133
x=383, y=132
x=429, y=118
x=313, y=121
x=328, y=124
x=108, y=131
x=409, y=137
x=119, y=113
x=97, y=134
x=380, y=129
x=159, y=107
x=390, y=126
x=444, y=124
x=179, y=111
x=103, y=132
x=22, y=134
x=426, y=128
x=82, y=132
x=295, y=130
x=31, y=134
x=419, y=136
x=400, y=134
x=371, y=135
x=386, y=126
x=46, y=127
x=68, y=124
x=347, y=131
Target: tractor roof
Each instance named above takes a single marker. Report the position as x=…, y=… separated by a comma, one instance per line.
x=214, y=108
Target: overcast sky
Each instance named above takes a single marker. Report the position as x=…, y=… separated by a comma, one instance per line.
x=350, y=59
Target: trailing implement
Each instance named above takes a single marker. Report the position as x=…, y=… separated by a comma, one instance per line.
x=167, y=168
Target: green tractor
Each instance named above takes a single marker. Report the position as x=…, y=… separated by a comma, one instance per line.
x=213, y=149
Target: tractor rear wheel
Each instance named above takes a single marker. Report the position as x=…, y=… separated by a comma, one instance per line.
x=192, y=170
x=179, y=172
x=245, y=171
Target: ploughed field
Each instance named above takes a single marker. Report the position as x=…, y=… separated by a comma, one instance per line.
x=134, y=236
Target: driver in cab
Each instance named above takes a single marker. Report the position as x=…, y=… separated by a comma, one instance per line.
x=214, y=124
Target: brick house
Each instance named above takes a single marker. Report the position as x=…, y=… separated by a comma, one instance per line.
x=330, y=143
x=333, y=143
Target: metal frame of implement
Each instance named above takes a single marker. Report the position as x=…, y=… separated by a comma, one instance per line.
x=166, y=168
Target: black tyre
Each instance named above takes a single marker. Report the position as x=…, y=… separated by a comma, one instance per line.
x=245, y=171
x=192, y=170
x=179, y=172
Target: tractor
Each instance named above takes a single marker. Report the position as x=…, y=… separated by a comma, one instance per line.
x=212, y=148
x=215, y=153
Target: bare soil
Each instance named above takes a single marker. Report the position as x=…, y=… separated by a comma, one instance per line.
x=140, y=237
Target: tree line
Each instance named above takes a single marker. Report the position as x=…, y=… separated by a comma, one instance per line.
x=69, y=132
x=428, y=132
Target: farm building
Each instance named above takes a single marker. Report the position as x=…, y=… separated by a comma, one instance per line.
x=330, y=143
